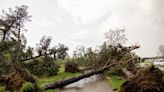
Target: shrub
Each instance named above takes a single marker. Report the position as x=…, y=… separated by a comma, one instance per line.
x=3, y=68
x=29, y=87
x=44, y=66
x=71, y=67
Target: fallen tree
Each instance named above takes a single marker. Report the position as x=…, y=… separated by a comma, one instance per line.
x=62, y=83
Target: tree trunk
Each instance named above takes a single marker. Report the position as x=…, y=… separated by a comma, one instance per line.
x=62, y=83
x=4, y=36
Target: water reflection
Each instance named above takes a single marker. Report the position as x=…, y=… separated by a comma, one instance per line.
x=95, y=83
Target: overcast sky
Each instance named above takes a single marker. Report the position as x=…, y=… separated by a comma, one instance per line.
x=84, y=22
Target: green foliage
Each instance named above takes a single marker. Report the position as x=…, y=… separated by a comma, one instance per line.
x=71, y=67
x=13, y=52
x=28, y=53
x=44, y=66
x=115, y=81
x=2, y=89
x=61, y=75
x=3, y=68
x=29, y=87
x=6, y=48
x=61, y=51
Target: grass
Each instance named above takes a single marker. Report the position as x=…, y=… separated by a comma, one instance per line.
x=115, y=81
x=61, y=75
x=2, y=89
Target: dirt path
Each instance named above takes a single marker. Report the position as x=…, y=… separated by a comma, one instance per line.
x=96, y=85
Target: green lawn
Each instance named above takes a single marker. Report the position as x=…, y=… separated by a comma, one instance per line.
x=61, y=75
x=115, y=81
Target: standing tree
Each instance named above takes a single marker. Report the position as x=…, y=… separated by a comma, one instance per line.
x=115, y=37
x=13, y=22
x=43, y=46
x=11, y=25
x=161, y=50
x=62, y=51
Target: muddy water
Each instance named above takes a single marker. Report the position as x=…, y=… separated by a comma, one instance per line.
x=94, y=83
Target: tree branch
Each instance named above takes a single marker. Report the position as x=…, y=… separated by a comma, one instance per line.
x=35, y=57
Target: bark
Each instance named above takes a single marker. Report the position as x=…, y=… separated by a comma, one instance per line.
x=128, y=73
x=34, y=57
x=4, y=36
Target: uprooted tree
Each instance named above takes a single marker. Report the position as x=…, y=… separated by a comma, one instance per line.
x=145, y=80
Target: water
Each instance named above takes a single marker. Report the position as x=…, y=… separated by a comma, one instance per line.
x=95, y=83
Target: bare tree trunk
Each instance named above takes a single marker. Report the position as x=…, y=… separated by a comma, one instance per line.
x=34, y=57
x=4, y=36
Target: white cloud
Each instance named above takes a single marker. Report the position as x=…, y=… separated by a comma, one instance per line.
x=85, y=10
x=83, y=22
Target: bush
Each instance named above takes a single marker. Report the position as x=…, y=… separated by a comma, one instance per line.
x=71, y=67
x=29, y=87
x=3, y=68
x=44, y=66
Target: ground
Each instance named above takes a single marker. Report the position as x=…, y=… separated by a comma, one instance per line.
x=100, y=85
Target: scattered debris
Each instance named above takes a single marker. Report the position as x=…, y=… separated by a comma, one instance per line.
x=145, y=80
